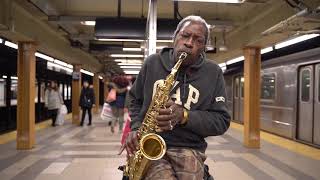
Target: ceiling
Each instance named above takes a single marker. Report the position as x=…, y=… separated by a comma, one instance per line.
x=252, y=23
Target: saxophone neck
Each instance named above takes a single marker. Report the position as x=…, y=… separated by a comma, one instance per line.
x=181, y=58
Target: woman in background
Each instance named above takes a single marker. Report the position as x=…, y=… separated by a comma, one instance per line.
x=119, y=83
x=53, y=101
x=87, y=100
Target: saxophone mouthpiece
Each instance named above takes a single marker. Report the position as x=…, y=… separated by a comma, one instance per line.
x=183, y=55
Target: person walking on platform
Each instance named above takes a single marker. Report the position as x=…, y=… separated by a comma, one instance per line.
x=197, y=107
x=53, y=101
x=87, y=101
x=119, y=85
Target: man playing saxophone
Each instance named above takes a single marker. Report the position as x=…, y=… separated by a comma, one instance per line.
x=197, y=108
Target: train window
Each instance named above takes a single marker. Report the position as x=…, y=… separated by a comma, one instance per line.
x=65, y=92
x=69, y=92
x=14, y=91
x=242, y=87
x=61, y=89
x=305, y=85
x=42, y=92
x=2, y=92
x=236, y=87
x=268, y=83
x=36, y=93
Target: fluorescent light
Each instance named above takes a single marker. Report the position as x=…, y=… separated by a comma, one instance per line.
x=50, y=64
x=14, y=77
x=266, y=50
x=1, y=40
x=283, y=123
x=4, y=77
x=126, y=40
x=238, y=59
x=100, y=77
x=161, y=47
x=60, y=63
x=131, y=49
x=295, y=40
x=131, y=72
x=88, y=23
x=127, y=55
x=128, y=64
x=130, y=67
x=165, y=41
x=11, y=44
x=129, y=61
x=217, y=1
x=222, y=64
x=86, y=72
x=43, y=56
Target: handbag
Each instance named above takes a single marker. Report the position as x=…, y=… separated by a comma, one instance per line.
x=106, y=113
x=111, y=96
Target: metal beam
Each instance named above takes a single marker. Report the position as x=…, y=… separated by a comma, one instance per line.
x=151, y=28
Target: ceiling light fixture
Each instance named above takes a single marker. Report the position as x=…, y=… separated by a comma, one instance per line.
x=128, y=61
x=131, y=49
x=128, y=64
x=43, y=56
x=131, y=72
x=88, y=23
x=266, y=50
x=121, y=40
x=238, y=59
x=217, y=1
x=130, y=67
x=100, y=77
x=127, y=55
x=165, y=41
x=86, y=72
x=11, y=44
x=1, y=41
x=295, y=40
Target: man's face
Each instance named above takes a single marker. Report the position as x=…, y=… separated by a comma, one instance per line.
x=190, y=39
x=85, y=84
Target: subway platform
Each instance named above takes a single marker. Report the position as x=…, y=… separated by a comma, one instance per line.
x=71, y=152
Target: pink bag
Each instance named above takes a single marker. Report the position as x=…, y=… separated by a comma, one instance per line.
x=126, y=130
x=111, y=96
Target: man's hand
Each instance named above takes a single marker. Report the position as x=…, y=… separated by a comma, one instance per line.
x=131, y=144
x=169, y=116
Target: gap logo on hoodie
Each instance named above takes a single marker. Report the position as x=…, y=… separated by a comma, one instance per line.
x=193, y=95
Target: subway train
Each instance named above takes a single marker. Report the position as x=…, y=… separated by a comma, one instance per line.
x=290, y=92
x=45, y=72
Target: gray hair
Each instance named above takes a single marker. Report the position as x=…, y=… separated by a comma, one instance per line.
x=193, y=18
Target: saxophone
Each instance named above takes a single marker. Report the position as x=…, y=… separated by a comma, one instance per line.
x=151, y=145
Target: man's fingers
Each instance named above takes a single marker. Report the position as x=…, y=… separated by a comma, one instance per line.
x=164, y=111
x=164, y=117
x=169, y=103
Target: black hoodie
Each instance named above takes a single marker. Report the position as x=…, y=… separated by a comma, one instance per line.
x=201, y=91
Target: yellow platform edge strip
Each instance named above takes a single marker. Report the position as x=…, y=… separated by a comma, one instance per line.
x=7, y=137
x=290, y=145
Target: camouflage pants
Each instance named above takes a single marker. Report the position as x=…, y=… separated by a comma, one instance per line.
x=177, y=164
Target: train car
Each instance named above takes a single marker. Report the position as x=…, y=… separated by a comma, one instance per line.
x=290, y=94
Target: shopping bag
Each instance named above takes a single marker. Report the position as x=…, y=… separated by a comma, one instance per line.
x=60, y=119
x=111, y=96
x=63, y=110
x=106, y=113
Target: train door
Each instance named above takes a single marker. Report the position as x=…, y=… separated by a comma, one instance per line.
x=309, y=106
x=316, y=116
x=238, y=92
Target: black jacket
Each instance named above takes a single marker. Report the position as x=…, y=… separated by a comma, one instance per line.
x=202, y=92
x=87, y=98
